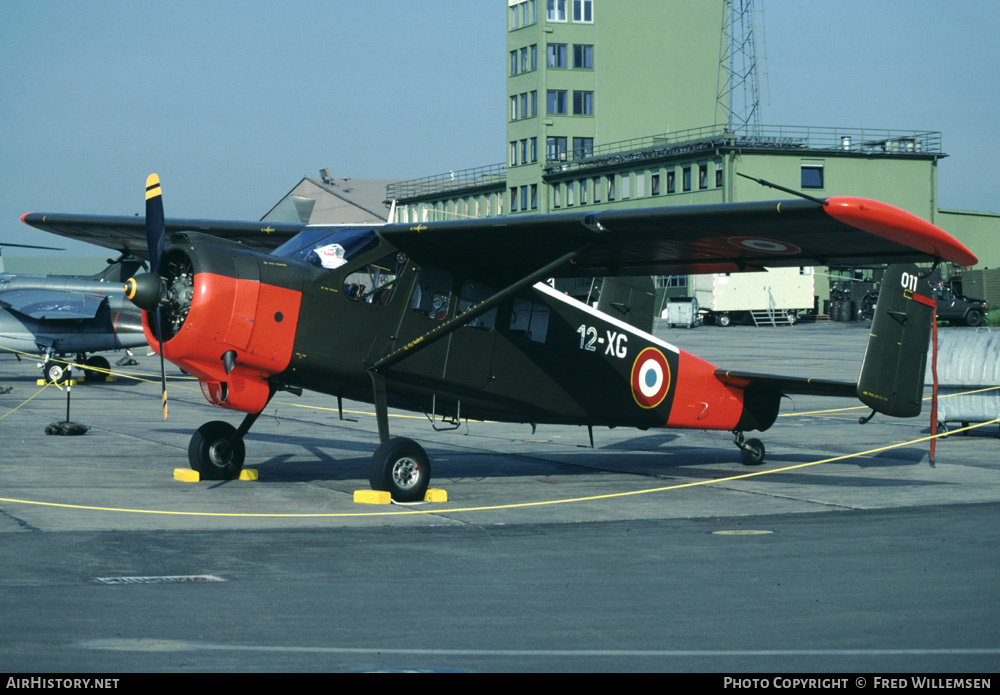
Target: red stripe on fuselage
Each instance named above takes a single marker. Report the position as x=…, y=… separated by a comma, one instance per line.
x=701, y=401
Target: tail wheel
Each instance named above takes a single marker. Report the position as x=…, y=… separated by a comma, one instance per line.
x=752, y=452
x=214, y=453
x=400, y=466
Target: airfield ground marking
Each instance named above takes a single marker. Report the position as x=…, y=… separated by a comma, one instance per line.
x=592, y=498
x=47, y=384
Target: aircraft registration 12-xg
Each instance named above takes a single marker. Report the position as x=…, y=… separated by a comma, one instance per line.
x=455, y=318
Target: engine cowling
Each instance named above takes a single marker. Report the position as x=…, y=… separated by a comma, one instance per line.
x=228, y=317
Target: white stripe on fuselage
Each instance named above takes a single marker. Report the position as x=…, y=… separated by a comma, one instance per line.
x=576, y=304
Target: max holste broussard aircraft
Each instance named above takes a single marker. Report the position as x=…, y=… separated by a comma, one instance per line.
x=453, y=319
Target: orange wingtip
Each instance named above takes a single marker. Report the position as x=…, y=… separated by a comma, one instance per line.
x=890, y=222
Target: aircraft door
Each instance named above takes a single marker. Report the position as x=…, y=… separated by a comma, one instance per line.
x=464, y=357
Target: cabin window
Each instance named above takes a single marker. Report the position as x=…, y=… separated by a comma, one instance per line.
x=375, y=283
x=474, y=293
x=327, y=248
x=530, y=319
x=432, y=294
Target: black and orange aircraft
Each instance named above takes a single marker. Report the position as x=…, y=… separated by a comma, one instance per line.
x=454, y=318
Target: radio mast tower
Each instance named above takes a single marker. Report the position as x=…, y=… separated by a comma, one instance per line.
x=740, y=67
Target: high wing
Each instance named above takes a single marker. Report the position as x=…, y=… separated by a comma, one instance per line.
x=128, y=234
x=731, y=237
x=717, y=238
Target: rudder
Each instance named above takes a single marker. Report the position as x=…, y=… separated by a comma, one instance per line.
x=892, y=374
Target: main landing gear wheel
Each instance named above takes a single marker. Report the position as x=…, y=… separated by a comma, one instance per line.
x=55, y=372
x=401, y=467
x=96, y=368
x=214, y=453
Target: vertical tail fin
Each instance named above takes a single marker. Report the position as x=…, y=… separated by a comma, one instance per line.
x=892, y=375
x=630, y=299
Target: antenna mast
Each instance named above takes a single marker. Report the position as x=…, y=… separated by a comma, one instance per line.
x=740, y=67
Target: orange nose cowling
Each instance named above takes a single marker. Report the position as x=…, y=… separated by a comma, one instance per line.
x=254, y=319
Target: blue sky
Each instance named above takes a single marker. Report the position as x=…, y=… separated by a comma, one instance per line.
x=233, y=102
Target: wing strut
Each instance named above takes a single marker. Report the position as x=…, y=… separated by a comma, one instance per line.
x=475, y=311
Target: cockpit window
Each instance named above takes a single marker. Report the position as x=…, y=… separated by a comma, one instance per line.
x=327, y=248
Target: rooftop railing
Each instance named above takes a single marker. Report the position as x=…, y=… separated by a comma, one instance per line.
x=458, y=180
x=805, y=138
x=799, y=138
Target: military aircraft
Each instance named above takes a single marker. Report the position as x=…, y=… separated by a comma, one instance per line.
x=56, y=316
x=454, y=318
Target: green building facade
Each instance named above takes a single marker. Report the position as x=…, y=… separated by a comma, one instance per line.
x=613, y=105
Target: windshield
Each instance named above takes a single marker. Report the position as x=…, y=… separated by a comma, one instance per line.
x=325, y=247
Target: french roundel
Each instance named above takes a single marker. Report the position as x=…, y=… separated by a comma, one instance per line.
x=762, y=245
x=650, y=378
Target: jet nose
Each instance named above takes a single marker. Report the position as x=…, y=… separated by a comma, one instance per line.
x=145, y=290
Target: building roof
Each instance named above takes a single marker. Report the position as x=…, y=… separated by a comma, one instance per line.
x=333, y=200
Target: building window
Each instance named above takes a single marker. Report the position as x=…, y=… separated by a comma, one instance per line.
x=534, y=103
x=534, y=149
x=556, y=103
x=812, y=176
x=524, y=197
x=583, y=56
x=524, y=151
x=583, y=147
x=555, y=149
x=556, y=10
x=611, y=187
x=513, y=199
x=555, y=55
x=626, y=186
x=671, y=185
x=702, y=176
x=534, y=196
x=640, y=184
x=534, y=56
x=583, y=103
x=524, y=59
x=672, y=281
x=513, y=153
x=524, y=105
x=523, y=13
x=597, y=189
x=654, y=184
x=513, y=108
x=557, y=195
x=513, y=62
x=718, y=174
x=570, y=198
x=583, y=11
x=583, y=191
x=686, y=178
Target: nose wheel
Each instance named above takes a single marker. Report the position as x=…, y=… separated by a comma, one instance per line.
x=751, y=450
